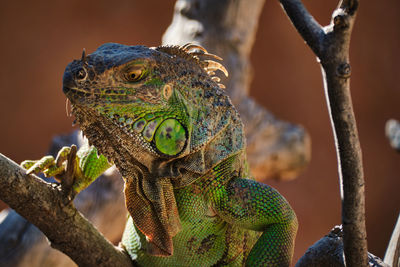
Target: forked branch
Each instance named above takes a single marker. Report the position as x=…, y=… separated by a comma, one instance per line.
x=331, y=45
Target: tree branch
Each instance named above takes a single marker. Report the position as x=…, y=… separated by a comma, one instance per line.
x=332, y=48
x=64, y=226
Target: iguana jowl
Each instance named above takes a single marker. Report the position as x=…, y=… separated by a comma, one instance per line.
x=161, y=116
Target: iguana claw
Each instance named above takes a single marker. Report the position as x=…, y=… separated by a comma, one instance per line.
x=48, y=165
x=75, y=170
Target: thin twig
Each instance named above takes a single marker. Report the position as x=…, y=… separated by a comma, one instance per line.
x=332, y=49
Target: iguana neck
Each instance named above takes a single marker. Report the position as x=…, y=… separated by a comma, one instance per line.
x=150, y=180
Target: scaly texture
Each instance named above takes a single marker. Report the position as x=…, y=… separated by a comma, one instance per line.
x=161, y=116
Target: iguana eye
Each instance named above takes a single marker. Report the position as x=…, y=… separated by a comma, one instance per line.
x=134, y=75
x=81, y=74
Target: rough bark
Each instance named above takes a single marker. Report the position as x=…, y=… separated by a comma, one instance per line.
x=227, y=28
x=67, y=230
x=331, y=45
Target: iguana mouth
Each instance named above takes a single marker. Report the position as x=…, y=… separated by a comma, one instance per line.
x=103, y=92
x=97, y=97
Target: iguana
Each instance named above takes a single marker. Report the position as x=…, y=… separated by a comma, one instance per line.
x=162, y=117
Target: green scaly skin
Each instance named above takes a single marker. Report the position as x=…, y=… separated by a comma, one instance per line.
x=161, y=116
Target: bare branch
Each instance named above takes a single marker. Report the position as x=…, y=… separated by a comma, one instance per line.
x=64, y=226
x=333, y=51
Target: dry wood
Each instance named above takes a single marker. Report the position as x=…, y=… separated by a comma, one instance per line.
x=331, y=45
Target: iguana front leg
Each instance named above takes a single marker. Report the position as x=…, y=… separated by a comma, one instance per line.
x=256, y=206
x=88, y=166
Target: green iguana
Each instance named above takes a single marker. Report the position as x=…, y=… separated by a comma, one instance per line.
x=160, y=115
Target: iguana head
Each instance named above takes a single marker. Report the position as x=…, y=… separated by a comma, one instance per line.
x=152, y=111
x=152, y=94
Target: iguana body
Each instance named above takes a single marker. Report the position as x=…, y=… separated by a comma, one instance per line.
x=160, y=115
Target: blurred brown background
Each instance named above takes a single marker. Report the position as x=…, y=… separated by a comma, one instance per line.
x=38, y=39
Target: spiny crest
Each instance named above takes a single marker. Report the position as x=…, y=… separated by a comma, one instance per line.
x=199, y=55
